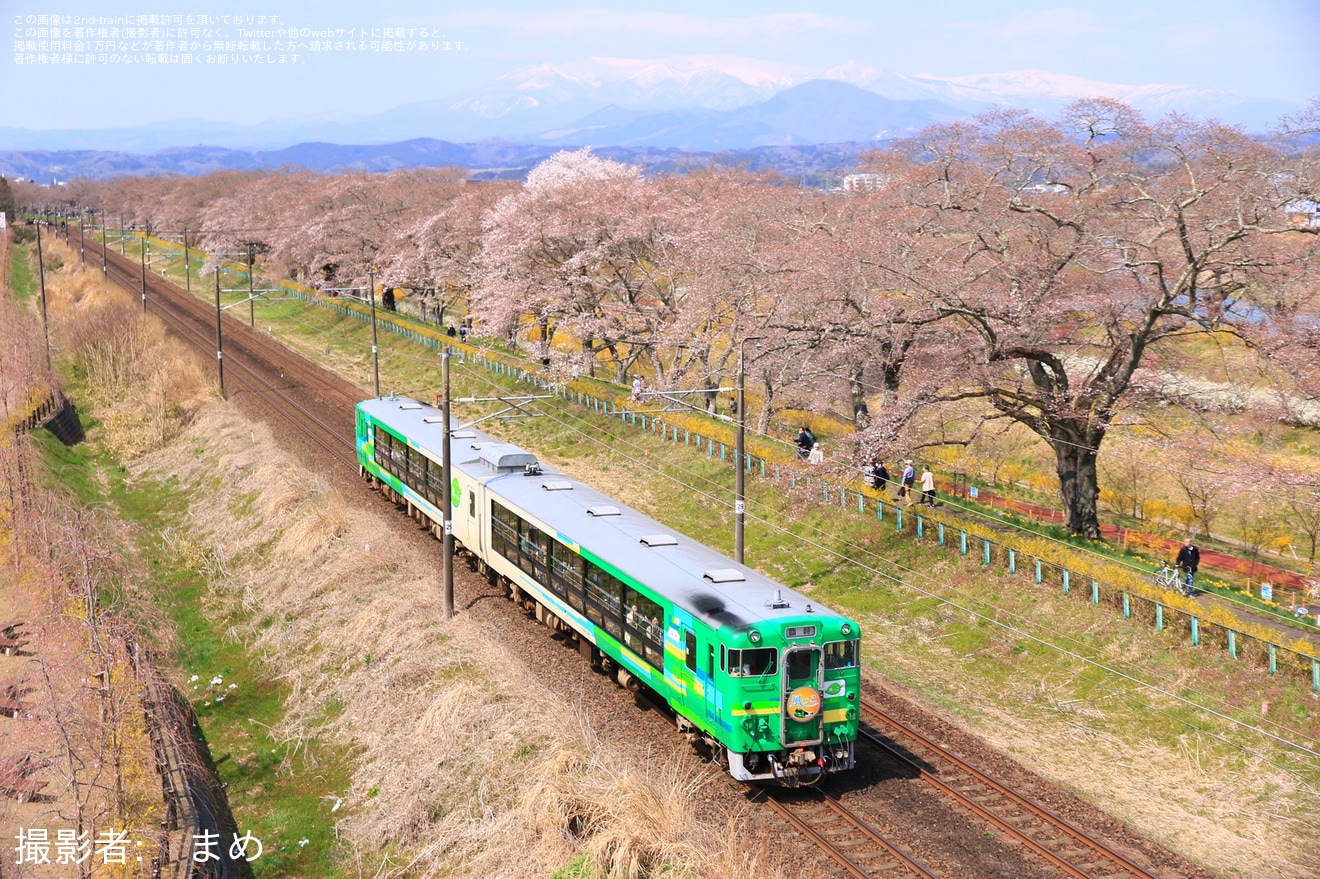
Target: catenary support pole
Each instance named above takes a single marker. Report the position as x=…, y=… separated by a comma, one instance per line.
x=143, y=252
x=447, y=506
x=375, y=347
x=219, y=339
x=739, y=480
x=41, y=273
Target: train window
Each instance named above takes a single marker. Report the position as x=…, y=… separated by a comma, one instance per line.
x=642, y=626
x=690, y=657
x=435, y=482
x=504, y=532
x=841, y=654
x=757, y=662
x=417, y=470
x=604, y=597
x=398, y=458
x=566, y=574
x=383, y=443
x=472, y=504
x=799, y=664
x=722, y=665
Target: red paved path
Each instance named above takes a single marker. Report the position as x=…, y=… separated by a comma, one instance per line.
x=1209, y=558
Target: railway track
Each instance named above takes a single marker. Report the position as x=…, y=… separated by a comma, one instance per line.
x=1063, y=846
x=302, y=395
x=857, y=847
x=320, y=405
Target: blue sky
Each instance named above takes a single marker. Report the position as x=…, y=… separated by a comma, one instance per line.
x=1263, y=49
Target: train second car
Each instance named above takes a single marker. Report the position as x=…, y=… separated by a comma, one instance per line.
x=767, y=680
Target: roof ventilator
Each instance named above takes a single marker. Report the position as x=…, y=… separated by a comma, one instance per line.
x=654, y=540
x=557, y=485
x=724, y=575
x=598, y=512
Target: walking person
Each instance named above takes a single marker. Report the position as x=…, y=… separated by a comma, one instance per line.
x=908, y=479
x=637, y=388
x=1189, y=559
x=881, y=475
x=927, y=486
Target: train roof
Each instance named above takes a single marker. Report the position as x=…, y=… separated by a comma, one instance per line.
x=699, y=579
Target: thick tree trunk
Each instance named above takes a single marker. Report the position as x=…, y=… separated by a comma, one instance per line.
x=589, y=352
x=857, y=390
x=767, y=406
x=1075, y=450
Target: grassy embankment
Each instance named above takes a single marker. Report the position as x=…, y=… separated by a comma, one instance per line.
x=1017, y=464
x=355, y=732
x=135, y=392
x=1022, y=666
x=1115, y=710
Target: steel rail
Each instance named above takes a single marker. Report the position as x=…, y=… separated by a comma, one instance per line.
x=254, y=380
x=857, y=826
x=1056, y=823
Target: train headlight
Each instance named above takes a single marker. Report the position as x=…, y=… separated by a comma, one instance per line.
x=845, y=629
x=754, y=636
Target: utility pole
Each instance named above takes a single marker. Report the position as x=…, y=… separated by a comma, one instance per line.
x=219, y=340
x=82, y=243
x=41, y=273
x=105, y=237
x=143, y=251
x=252, y=302
x=187, y=267
x=447, y=507
x=122, y=251
x=739, y=486
x=375, y=355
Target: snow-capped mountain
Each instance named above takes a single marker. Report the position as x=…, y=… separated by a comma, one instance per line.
x=701, y=102
x=708, y=82
x=573, y=91
x=1046, y=93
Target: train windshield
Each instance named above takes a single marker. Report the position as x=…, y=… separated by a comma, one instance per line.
x=753, y=663
x=841, y=654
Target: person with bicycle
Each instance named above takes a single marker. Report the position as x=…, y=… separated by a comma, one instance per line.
x=1189, y=559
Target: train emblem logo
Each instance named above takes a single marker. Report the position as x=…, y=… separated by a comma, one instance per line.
x=803, y=703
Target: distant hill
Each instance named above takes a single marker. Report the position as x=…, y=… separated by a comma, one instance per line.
x=815, y=112
x=652, y=111
x=811, y=164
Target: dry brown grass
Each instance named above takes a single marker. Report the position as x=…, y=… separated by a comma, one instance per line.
x=461, y=770
x=144, y=383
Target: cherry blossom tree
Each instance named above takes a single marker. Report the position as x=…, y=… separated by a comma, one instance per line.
x=436, y=257
x=579, y=247
x=1058, y=255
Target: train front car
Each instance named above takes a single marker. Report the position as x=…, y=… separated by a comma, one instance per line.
x=765, y=679
x=788, y=687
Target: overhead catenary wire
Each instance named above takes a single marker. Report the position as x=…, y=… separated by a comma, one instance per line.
x=594, y=437
x=973, y=511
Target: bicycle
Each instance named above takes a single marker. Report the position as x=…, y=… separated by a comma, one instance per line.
x=1171, y=578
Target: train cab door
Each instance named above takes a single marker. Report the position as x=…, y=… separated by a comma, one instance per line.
x=712, y=690
x=803, y=680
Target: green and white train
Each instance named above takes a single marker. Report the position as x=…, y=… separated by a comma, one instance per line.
x=766, y=679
